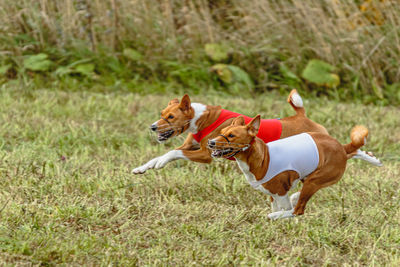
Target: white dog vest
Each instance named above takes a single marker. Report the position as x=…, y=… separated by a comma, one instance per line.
x=297, y=153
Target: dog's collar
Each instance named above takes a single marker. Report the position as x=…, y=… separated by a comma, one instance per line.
x=252, y=141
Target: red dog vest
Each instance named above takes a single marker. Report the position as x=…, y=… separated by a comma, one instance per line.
x=270, y=130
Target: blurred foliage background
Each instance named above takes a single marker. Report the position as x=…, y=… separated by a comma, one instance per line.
x=347, y=50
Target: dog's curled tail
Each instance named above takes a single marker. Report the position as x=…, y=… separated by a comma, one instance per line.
x=358, y=136
x=294, y=99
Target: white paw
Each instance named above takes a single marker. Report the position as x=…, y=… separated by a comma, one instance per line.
x=294, y=198
x=281, y=214
x=141, y=169
x=145, y=167
x=138, y=170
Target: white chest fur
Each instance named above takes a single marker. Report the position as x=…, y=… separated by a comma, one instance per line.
x=198, y=111
x=250, y=176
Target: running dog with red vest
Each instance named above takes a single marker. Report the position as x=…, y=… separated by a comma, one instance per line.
x=316, y=159
x=204, y=122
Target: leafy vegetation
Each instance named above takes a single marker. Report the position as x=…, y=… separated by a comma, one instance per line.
x=321, y=73
x=264, y=45
x=68, y=196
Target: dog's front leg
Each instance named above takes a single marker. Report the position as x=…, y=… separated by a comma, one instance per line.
x=274, y=205
x=189, y=144
x=201, y=155
x=283, y=208
x=185, y=151
x=170, y=156
x=281, y=214
x=160, y=162
x=178, y=153
x=149, y=165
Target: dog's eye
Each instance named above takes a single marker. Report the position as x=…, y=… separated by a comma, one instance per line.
x=231, y=135
x=170, y=117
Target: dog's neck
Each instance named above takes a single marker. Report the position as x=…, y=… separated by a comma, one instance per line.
x=256, y=157
x=204, y=115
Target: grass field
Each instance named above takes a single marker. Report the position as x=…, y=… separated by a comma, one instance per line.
x=67, y=195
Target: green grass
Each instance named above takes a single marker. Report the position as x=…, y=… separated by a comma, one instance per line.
x=67, y=195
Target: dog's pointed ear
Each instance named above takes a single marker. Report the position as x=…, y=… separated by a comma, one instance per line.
x=238, y=121
x=173, y=101
x=254, y=125
x=185, y=103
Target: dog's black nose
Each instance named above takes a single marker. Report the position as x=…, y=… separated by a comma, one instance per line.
x=211, y=143
x=153, y=127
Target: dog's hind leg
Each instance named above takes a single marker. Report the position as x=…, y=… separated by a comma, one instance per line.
x=306, y=193
x=314, y=182
x=367, y=156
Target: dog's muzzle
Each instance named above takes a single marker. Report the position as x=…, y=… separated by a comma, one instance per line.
x=225, y=149
x=166, y=131
x=162, y=132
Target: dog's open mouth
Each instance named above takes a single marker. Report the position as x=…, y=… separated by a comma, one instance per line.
x=165, y=135
x=218, y=153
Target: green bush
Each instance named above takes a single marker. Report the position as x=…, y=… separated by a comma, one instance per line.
x=120, y=43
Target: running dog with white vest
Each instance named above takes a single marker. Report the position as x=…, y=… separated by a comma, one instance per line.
x=204, y=122
x=316, y=159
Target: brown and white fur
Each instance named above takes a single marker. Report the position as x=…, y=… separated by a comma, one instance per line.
x=183, y=116
x=254, y=162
